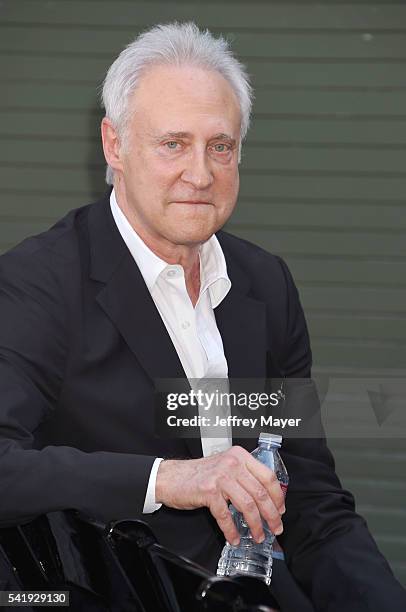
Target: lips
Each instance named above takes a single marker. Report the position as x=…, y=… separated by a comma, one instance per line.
x=190, y=202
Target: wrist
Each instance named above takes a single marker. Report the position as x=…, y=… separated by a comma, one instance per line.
x=163, y=477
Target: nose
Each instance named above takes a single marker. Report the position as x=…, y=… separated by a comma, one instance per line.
x=197, y=171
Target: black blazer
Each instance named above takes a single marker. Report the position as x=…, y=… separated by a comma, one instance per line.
x=81, y=343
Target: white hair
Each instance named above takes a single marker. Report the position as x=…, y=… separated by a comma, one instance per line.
x=170, y=44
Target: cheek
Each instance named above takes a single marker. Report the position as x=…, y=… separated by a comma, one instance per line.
x=163, y=174
x=229, y=182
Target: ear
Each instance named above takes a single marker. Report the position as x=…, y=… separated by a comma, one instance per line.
x=111, y=144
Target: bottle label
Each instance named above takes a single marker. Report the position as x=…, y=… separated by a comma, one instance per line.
x=284, y=488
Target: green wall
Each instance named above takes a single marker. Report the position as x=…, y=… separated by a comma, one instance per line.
x=323, y=171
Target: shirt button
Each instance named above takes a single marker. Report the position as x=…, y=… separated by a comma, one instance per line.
x=171, y=273
x=185, y=324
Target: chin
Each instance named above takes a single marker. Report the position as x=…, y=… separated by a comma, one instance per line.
x=192, y=236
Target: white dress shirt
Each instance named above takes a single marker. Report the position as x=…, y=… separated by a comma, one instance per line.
x=193, y=330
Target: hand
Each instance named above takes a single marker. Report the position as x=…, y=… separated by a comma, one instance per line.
x=233, y=475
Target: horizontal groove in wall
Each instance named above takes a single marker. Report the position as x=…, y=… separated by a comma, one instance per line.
x=252, y=58
x=94, y=83
x=309, y=257
x=50, y=138
x=45, y=110
x=27, y=218
x=396, y=539
x=351, y=285
x=349, y=146
x=370, y=455
x=132, y=29
x=336, y=315
x=97, y=111
x=55, y=166
x=270, y=200
x=270, y=172
x=252, y=17
x=353, y=343
x=249, y=144
x=381, y=483
x=353, y=117
x=266, y=201
x=325, y=229
x=374, y=510
x=333, y=88
x=343, y=258
x=280, y=88
x=366, y=312
x=323, y=173
x=51, y=192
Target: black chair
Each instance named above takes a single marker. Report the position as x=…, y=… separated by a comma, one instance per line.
x=117, y=568
x=166, y=581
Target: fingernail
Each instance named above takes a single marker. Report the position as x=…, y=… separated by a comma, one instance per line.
x=260, y=539
x=282, y=509
x=279, y=530
x=235, y=542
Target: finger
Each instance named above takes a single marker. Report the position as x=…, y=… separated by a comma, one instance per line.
x=244, y=502
x=269, y=481
x=266, y=507
x=220, y=511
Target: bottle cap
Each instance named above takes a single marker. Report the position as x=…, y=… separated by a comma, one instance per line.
x=268, y=437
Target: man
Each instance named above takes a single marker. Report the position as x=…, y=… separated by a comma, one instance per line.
x=140, y=286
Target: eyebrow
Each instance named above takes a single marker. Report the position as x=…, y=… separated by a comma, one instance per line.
x=220, y=136
x=173, y=135
x=224, y=137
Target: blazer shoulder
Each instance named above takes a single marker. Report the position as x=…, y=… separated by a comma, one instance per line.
x=55, y=239
x=45, y=265
x=253, y=259
x=53, y=253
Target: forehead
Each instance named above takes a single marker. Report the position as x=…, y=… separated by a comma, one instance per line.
x=185, y=98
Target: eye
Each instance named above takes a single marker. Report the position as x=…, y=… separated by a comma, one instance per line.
x=221, y=147
x=172, y=144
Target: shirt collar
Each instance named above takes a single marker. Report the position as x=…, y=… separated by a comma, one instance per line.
x=213, y=268
x=213, y=271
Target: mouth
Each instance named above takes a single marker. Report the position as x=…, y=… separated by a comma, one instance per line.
x=200, y=202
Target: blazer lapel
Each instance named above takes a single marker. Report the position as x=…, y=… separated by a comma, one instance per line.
x=241, y=320
x=126, y=300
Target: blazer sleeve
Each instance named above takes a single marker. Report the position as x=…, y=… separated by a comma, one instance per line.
x=327, y=545
x=33, y=351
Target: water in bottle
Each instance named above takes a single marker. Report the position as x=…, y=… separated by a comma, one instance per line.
x=250, y=558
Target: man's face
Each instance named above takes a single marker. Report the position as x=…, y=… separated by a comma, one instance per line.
x=179, y=169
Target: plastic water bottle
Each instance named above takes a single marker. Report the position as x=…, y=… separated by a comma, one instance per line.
x=250, y=558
